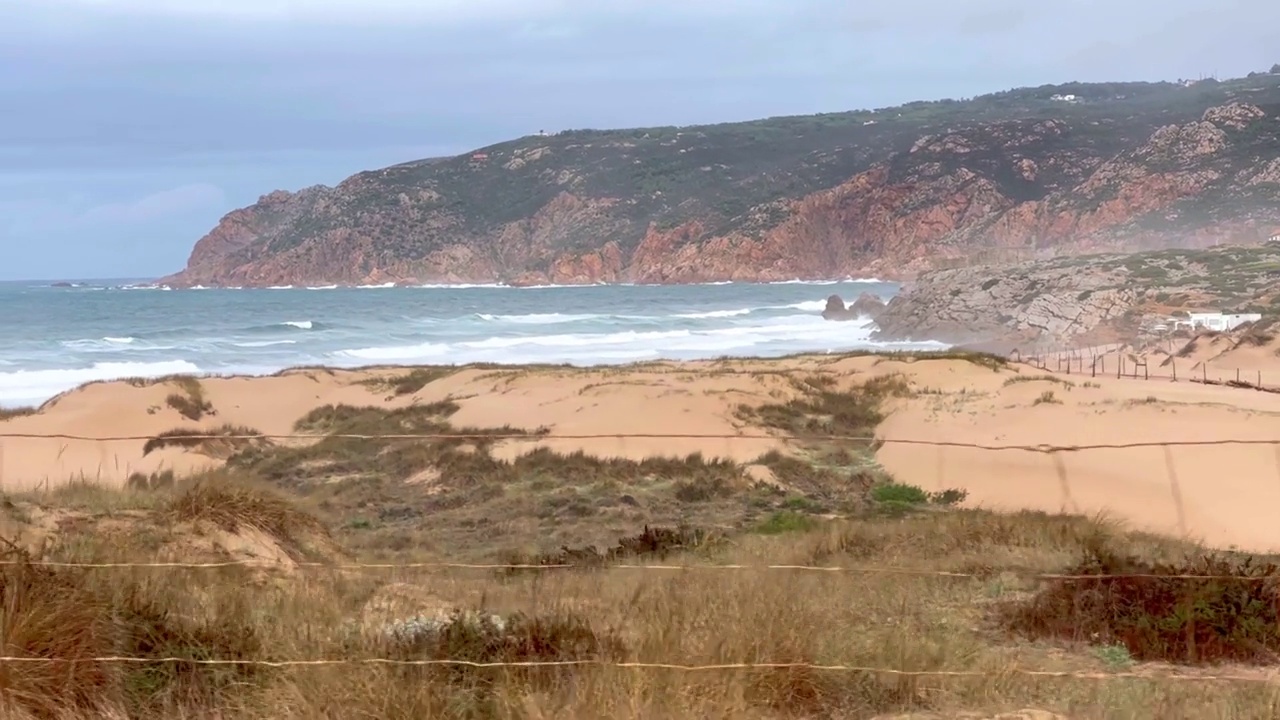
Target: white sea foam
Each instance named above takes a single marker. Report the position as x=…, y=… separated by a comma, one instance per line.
x=582, y=325
x=23, y=387
x=264, y=343
x=537, y=318
x=400, y=353
x=777, y=335
x=716, y=314
x=460, y=286
x=809, y=306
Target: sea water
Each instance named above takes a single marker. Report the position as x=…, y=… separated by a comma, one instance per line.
x=53, y=339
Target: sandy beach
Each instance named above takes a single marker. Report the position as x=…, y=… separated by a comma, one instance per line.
x=1215, y=494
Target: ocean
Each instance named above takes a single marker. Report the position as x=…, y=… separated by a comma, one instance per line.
x=53, y=339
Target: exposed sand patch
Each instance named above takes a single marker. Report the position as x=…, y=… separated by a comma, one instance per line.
x=1226, y=490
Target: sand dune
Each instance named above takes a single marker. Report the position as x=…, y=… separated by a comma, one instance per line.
x=1226, y=492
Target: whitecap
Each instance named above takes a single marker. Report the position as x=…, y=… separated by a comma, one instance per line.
x=537, y=318
x=23, y=387
x=716, y=314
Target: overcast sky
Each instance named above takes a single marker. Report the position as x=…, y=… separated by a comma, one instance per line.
x=129, y=127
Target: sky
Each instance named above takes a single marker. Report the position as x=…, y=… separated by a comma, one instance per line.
x=129, y=127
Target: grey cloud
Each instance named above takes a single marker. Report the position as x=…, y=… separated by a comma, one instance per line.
x=158, y=205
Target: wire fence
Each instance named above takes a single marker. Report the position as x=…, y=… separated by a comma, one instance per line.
x=1047, y=448
x=1266, y=678
x=1122, y=362
x=1056, y=451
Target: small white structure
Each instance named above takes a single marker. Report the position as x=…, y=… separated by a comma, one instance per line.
x=1065, y=98
x=1275, y=237
x=1220, y=322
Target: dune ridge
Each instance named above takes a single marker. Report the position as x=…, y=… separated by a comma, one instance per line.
x=952, y=399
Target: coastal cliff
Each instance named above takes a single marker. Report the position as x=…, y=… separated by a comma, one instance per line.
x=1006, y=177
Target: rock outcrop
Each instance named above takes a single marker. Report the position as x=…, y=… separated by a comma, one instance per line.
x=1080, y=300
x=1002, y=178
x=866, y=306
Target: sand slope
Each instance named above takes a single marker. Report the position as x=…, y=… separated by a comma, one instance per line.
x=1226, y=492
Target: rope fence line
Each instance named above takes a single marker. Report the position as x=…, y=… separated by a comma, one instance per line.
x=1265, y=679
x=833, y=569
x=1056, y=452
x=1037, y=447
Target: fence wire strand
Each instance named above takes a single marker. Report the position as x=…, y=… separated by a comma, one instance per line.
x=529, y=437
x=1056, y=452
x=603, y=565
x=1265, y=679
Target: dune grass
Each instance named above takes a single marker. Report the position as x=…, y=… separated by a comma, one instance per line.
x=11, y=413
x=991, y=621
x=461, y=491
x=408, y=382
x=190, y=402
x=219, y=442
x=911, y=584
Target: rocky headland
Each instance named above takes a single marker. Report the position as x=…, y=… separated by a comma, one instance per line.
x=1081, y=300
x=1006, y=177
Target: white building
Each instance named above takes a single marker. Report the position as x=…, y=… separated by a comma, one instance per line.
x=1220, y=322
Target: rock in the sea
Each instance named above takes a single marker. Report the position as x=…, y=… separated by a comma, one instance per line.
x=866, y=306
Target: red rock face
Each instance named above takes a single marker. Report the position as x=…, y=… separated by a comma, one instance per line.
x=936, y=204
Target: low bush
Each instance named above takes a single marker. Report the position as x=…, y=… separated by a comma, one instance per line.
x=1203, y=609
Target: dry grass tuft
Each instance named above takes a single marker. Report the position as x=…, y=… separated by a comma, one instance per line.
x=13, y=413
x=233, y=439
x=190, y=403
x=823, y=409
x=233, y=505
x=46, y=614
x=408, y=383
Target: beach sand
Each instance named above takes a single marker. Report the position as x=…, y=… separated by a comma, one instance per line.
x=1222, y=495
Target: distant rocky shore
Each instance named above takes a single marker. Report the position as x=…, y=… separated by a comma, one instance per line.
x=1076, y=301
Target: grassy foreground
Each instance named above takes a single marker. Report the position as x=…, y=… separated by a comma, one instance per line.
x=297, y=517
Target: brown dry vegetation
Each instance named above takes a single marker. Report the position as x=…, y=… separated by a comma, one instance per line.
x=190, y=402
x=296, y=515
x=16, y=412
x=409, y=382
